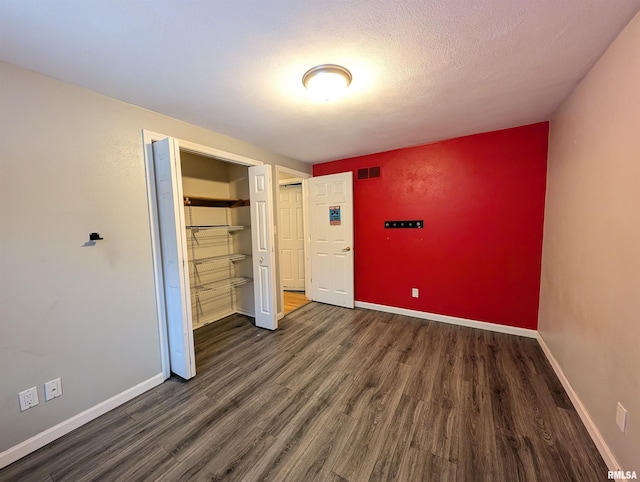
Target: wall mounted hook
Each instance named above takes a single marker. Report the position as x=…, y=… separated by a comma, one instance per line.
x=94, y=236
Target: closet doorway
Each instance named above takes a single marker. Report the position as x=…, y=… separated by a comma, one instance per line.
x=213, y=243
x=292, y=239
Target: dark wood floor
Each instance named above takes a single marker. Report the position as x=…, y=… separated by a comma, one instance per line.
x=337, y=395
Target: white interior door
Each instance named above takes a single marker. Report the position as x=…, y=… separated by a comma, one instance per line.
x=291, y=233
x=166, y=158
x=264, y=278
x=331, y=245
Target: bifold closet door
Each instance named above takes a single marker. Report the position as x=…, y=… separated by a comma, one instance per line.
x=166, y=159
x=264, y=279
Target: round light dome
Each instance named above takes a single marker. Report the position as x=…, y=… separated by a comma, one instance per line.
x=327, y=81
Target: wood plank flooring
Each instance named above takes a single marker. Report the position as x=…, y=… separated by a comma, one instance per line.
x=338, y=395
x=294, y=300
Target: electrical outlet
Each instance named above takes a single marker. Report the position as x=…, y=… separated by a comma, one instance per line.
x=52, y=389
x=415, y=292
x=28, y=398
x=621, y=417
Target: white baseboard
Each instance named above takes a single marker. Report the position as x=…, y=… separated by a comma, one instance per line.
x=43, y=438
x=482, y=325
x=601, y=445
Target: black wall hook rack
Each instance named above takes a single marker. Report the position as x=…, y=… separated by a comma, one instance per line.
x=94, y=236
x=415, y=224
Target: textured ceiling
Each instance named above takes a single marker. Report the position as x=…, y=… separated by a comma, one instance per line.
x=422, y=70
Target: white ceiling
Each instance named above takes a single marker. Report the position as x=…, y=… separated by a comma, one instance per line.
x=423, y=70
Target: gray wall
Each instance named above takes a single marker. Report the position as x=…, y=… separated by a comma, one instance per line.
x=590, y=286
x=72, y=163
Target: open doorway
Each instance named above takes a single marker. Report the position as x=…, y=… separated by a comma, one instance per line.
x=291, y=239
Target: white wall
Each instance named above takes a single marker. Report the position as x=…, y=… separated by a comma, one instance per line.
x=590, y=290
x=72, y=163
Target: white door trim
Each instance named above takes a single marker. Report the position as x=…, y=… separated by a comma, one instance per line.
x=148, y=137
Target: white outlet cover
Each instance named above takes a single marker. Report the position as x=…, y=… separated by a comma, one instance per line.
x=52, y=389
x=415, y=292
x=621, y=417
x=28, y=398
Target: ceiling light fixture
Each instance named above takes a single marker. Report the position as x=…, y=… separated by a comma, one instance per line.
x=326, y=81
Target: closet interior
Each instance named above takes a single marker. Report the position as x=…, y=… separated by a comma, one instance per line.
x=218, y=233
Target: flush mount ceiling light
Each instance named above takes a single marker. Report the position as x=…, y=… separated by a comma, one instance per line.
x=327, y=81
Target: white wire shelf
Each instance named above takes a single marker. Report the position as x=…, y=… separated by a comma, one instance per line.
x=223, y=228
x=225, y=284
x=224, y=259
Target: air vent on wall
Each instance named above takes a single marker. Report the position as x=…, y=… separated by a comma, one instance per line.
x=368, y=173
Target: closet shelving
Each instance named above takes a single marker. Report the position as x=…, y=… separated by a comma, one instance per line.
x=213, y=263
x=224, y=228
x=217, y=219
x=219, y=259
x=222, y=285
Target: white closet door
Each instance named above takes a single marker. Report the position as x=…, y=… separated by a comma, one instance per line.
x=166, y=158
x=264, y=280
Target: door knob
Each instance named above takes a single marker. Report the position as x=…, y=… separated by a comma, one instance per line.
x=261, y=259
x=348, y=248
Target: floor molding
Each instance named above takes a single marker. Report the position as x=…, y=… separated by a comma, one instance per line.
x=482, y=325
x=43, y=438
x=597, y=438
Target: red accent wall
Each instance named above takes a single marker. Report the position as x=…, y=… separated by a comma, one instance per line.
x=482, y=201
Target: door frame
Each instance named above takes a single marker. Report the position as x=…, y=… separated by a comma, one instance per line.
x=305, y=226
x=148, y=137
